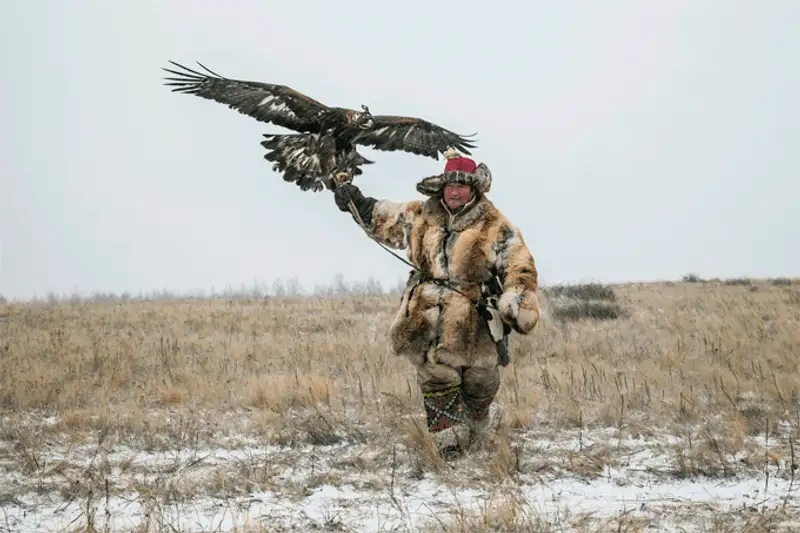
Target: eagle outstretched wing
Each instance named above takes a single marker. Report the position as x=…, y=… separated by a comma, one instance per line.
x=266, y=102
x=414, y=135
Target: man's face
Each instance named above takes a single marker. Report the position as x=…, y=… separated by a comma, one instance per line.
x=456, y=194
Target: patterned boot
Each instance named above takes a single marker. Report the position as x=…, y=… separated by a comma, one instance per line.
x=445, y=414
x=484, y=418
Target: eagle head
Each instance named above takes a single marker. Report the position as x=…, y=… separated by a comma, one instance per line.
x=362, y=120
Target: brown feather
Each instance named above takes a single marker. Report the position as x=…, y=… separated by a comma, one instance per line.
x=414, y=135
x=266, y=102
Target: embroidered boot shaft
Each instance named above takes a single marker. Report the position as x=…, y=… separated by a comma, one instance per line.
x=443, y=408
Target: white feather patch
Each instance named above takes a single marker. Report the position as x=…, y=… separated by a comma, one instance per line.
x=277, y=107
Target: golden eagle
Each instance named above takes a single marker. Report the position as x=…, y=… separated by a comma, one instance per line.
x=324, y=148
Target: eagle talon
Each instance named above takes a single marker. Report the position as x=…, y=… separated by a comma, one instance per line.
x=342, y=177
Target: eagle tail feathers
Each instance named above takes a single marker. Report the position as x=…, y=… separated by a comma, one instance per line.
x=298, y=156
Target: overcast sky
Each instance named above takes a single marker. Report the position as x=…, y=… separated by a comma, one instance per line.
x=628, y=140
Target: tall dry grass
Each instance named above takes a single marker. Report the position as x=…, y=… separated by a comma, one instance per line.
x=721, y=353
x=686, y=352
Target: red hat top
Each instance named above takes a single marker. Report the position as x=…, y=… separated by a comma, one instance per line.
x=464, y=164
x=457, y=162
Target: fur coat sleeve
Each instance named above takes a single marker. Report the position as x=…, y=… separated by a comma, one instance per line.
x=391, y=222
x=518, y=304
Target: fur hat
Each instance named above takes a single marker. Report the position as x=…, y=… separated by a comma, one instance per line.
x=457, y=169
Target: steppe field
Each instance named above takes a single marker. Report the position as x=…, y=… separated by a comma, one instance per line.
x=669, y=406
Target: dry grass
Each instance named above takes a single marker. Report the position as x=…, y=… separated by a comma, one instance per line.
x=687, y=352
x=710, y=363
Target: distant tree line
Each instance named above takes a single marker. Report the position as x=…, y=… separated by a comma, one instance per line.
x=591, y=299
x=291, y=287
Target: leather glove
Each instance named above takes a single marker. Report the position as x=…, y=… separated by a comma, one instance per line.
x=344, y=193
x=363, y=204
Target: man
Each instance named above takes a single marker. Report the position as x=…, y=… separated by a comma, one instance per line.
x=459, y=243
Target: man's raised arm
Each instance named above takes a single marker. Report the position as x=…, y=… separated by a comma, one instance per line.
x=386, y=221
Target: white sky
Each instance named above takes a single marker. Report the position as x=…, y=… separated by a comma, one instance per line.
x=628, y=140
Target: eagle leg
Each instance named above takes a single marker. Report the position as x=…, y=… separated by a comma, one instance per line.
x=340, y=177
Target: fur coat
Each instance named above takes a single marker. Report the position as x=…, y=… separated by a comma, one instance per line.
x=435, y=324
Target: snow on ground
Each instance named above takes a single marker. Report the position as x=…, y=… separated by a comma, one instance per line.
x=360, y=486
